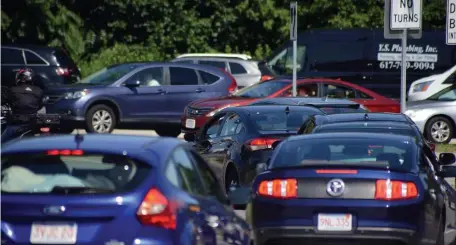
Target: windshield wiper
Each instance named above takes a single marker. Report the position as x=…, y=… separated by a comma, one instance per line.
x=79, y=190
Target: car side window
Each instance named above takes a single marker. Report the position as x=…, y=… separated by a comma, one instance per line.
x=33, y=59
x=213, y=128
x=218, y=64
x=309, y=126
x=187, y=172
x=230, y=125
x=340, y=92
x=149, y=77
x=208, y=78
x=183, y=76
x=12, y=56
x=237, y=69
x=208, y=178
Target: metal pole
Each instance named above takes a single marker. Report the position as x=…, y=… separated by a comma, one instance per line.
x=404, y=71
x=295, y=47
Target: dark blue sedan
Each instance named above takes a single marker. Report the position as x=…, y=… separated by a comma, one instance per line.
x=110, y=189
x=152, y=95
x=330, y=189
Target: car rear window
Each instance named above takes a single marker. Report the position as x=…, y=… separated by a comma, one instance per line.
x=85, y=174
x=360, y=152
x=392, y=130
x=63, y=59
x=279, y=120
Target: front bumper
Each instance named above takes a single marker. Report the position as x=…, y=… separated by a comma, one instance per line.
x=199, y=122
x=73, y=108
x=309, y=235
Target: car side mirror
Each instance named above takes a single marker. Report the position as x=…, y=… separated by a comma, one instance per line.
x=190, y=137
x=448, y=172
x=275, y=144
x=261, y=167
x=132, y=83
x=239, y=197
x=447, y=159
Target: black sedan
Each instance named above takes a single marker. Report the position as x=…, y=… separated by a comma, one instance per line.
x=236, y=139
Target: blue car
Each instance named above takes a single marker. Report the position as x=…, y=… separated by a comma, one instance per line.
x=153, y=95
x=77, y=189
x=329, y=189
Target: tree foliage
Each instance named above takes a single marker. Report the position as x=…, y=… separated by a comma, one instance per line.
x=100, y=32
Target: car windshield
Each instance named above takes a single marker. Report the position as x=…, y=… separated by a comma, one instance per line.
x=281, y=121
x=358, y=152
x=447, y=94
x=261, y=90
x=108, y=75
x=85, y=174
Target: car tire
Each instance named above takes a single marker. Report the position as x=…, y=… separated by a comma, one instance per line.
x=100, y=119
x=443, y=128
x=168, y=132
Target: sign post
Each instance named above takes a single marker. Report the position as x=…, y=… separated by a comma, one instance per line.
x=451, y=23
x=294, y=38
x=404, y=15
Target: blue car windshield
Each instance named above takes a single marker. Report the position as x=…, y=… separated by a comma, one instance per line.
x=260, y=90
x=85, y=174
x=108, y=76
x=353, y=152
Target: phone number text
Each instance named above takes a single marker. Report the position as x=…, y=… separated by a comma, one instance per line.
x=410, y=65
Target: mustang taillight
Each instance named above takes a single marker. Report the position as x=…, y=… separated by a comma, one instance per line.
x=65, y=152
x=156, y=210
x=279, y=188
x=395, y=190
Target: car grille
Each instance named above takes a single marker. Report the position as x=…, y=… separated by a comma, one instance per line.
x=197, y=111
x=51, y=99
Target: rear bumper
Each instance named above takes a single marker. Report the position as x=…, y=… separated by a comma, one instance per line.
x=308, y=235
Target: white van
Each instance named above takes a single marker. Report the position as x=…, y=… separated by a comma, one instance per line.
x=425, y=87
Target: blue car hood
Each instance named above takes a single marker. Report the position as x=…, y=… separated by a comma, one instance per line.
x=72, y=88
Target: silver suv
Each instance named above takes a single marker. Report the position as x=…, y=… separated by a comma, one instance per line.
x=242, y=67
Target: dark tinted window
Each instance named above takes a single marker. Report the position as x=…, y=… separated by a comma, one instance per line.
x=32, y=59
x=230, y=125
x=303, y=90
x=339, y=92
x=64, y=59
x=261, y=90
x=108, y=75
x=395, y=155
x=12, y=56
x=237, y=68
x=279, y=120
x=339, y=56
x=183, y=76
x=187, y=172
x=218, y=64
x=208, y=78
x=149, y=77
x=99, y=173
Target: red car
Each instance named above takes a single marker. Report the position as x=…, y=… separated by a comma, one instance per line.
x=198, y=112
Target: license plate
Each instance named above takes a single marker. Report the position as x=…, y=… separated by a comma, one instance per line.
x=53, y=233
x=190, y=123
x=334, y=222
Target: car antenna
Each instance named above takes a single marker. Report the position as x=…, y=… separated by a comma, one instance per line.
x=78, y=138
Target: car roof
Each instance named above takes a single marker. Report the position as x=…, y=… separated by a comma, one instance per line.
x=352, y=135
x=103, y=143
x=265, y=108
x=215, y=55
x=300, y=100
x=32, y=47
x=365, y=117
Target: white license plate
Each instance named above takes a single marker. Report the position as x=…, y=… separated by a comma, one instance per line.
x=190, y=123
x=334, y=222
x=53, y=233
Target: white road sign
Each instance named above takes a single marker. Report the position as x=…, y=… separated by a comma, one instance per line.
x=405, y=14
x=293, y=21
x=451, y=23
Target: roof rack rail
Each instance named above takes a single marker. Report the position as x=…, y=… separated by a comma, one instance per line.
x=216, y=55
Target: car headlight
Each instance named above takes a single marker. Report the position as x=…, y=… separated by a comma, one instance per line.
x=212, y=113
x=76, y=95
x=421, y=87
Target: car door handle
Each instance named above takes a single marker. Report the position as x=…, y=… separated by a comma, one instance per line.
x=199, y=90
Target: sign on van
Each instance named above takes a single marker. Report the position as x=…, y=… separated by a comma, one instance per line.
x=451, y=23
x=405, y=14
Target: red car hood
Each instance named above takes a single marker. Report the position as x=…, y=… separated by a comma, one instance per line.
x=221, y=101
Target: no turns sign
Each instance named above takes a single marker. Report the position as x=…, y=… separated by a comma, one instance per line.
x=451, y=23
x=405, y=14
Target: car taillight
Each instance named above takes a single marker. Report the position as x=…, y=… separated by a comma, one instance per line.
x=65, y=152
x=260, y=143
x=395, y=190
x=156, y=210
x=62, y=71
x=266, y=78
x=279, y=188
x=233, y=85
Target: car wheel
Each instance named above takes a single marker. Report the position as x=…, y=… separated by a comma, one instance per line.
x=100, y=119
x=168, y=132
x=231, y=179
x=439, y=130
